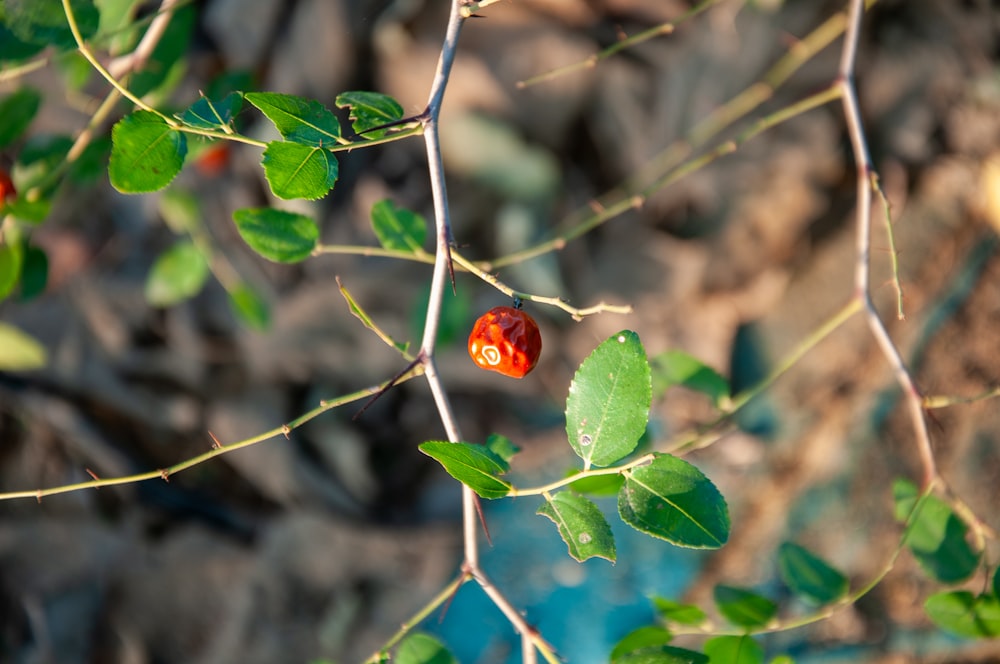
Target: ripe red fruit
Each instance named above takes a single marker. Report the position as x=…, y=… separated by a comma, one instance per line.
x=506, y=340
x=6, y=188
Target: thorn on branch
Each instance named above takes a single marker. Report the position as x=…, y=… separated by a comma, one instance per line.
x=165, y=475
x=392, y=382
x=215, y=441
x=286, y=430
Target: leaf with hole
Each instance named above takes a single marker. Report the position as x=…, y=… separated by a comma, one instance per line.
x=146, y=153
x=17, y=110
x=962, y=613
x=298, y=119
x=277, y=235
x=368, y=110
x=19, y=351
x=743, y=607
x=809, y=576
x=398, y=229
x=473, y=465
x=734, y=650
x=937, y=537
x=421, y=648
x=672, y=500
x=608, y=404
x=178, y=274
x=295, y=170
x=641, y=637
x=581, y=525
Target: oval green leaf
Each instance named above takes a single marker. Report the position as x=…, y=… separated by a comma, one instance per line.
x=473, y=465
x=936, y=536
x=178, y=274
x=675, y=367
x=422, y=649
x=299, y=171
x=249, y=307
x=809, y=576
x=596, y=485
x=642, y=637
x=734, y=650
x=146, y=153
x=277, y=235
x=962, y=613
x=11, y=259
x=398, y=229
x=17, y=110
x=298, y=119
x=743, y=607
x=662, y=655
x=675, y=612
x=18, y=351
x=608, y=404
x=368, y=110
x=581, y=525
x=672, y=500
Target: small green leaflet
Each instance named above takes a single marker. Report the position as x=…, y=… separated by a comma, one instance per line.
x=809, y=576
x=298, y=119
x=672, y=500
x=421, y=648
x=473, y=465
x=368, y=110
x=608, y=404
x=295, y=170
x=249, y=307
x=743, y=607
x=642, y=637
x=277, y=235
x=16, y=112
x=11, y=259
x=208, y=114
x=398, y=229
x=965, y=614
x=734, y=650
x=675, y=612
x=675, y=367
x=18, y=351
x=146, y=153
x=581, y=525
x=662, y=655
x=178, y=274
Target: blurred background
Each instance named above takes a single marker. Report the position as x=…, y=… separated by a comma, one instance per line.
x=316, y=548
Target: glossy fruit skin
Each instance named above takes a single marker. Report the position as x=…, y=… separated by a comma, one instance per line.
x=506, y=340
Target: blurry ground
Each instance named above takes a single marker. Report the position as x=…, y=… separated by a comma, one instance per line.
x=321, y=545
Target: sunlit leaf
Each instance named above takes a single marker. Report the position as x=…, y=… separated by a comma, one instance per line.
x=672, y=500
x=178, y=274
x=809, y=576
x=743, y=607
x=146, y=153
x=965, y=614
x=277, y=235
x=298, y=119
x=608, y=403
x=295, y=170
x=368, y=110
x=472, y=465
x=642, y=637
x=397, y=228
x=422, y=649
x=581, y=525
x=17, y=110
x=597, y=485
x=734, y=650
x=18, y=351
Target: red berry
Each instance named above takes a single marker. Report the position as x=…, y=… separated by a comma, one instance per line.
x=6, y=188
x=506, y=340
x=213, y=160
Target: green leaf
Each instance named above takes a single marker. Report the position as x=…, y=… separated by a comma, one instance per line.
x=18, y=351
x=581, y=525
x=672, y=500
x=295, y=170
x=675, y=612
x=398, y=229
x=743, y=607
x=208, y=114
x=92, y=164
x=368, y=110
x=249, y=307
x=937, y=537
x=597, y=485
x=277, y=235
x=44, y=21
x=662, y=655
x=734, y=650
x=675, y=367
x=11, y=259
x=146, y=153
x=298, y=119
x=642, y=637
x=40, y=157
x=178, y=274
x=17, y=110
x=180, y=210
x=783, y=659
x=423, y=649
x=14, y=49
x=501, y=446
x=165, y=63
x=34, y=273
x=965, y=614
x=32, y=212
x=608, y=403
x=472, y=465
x=809, y=576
